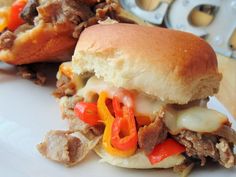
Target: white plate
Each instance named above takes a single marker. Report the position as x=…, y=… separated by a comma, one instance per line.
x=28, y=111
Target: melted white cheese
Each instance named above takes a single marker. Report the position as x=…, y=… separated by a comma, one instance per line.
x=143, y=104
x=198, y=119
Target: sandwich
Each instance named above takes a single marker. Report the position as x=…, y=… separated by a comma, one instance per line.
x=137, y=96
x=35, y=31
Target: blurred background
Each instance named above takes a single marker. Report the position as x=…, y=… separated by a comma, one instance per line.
x=213, y=20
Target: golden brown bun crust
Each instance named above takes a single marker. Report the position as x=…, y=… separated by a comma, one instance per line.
x=175, y=66
x=6, y=2
x=43, y=43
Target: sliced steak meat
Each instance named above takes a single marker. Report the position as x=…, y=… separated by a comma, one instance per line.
x=75, y=8
x=227, y=158
x=63, y=11
x=198, y=146
x=102, y=10
x=30, y=12
x=97, y=130
x=33, y=72
x=66, y=147
x=67, y=105
x=151, y=135
x=65, y=87
x=201, y=146
x=108, y=9
x=7, y=39
x=227, y=132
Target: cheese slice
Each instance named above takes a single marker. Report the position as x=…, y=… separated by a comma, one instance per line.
x=143, y=104
x=197, y=119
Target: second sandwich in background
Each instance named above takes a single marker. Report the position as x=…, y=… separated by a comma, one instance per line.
x=47, y=30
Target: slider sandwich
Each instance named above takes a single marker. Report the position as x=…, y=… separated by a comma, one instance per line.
x=138, y=96
x=34, y=31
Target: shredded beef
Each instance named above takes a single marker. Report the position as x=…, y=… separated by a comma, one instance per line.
x=97, y=130
x=80, y=13
x=201, y=146
x=151, y=135
x=7, y=39
x=102, y=11
x=107, y=10
x=227, y=158
x=33, y=72
x=66, y=147
x=74, y=144
x=76, y=11
x=63, y=11
x=227, y=132
x=65, y=87
x=30, y=12
x=198, y=146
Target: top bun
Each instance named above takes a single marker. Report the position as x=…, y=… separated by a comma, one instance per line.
x=176, y=67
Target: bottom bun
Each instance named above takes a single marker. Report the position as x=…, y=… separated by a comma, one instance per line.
x=138, y=161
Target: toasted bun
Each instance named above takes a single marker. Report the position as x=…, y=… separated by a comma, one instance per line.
x=6, y=2
x=138, y=161
x=175, y=66
x=43, y=43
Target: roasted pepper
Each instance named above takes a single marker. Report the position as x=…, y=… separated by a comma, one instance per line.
x=4, y=12
x=87, y=112
x=124, y=133
x=108, y=120
x=168, y=148
x=14, y=15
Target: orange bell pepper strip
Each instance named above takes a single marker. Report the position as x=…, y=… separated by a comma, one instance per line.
x=168, y=148
x=108, y=120
x=4, y=12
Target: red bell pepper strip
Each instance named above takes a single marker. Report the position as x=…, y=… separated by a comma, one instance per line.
x=124, y=134
x=14, y=20
x=117, y=106
x=108, y=120
x=168, y=148
x=87, y=112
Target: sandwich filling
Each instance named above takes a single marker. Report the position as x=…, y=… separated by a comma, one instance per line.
x=128, y=122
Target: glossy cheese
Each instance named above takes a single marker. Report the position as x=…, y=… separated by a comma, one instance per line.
x=198, y=119
x=143, y=104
